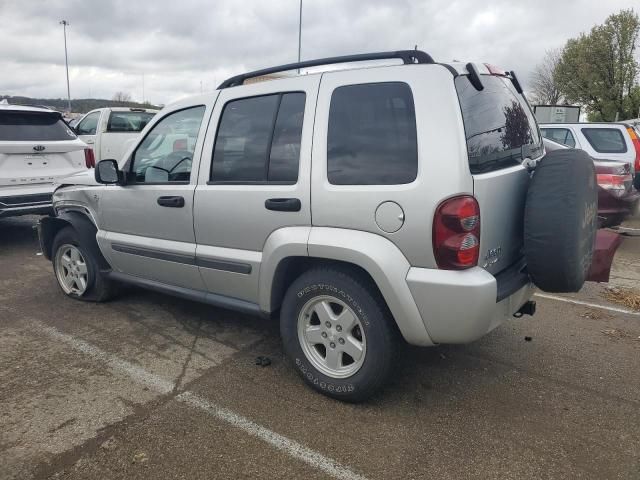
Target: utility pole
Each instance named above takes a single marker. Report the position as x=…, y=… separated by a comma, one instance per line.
x=300, y=33
x=143, y=89
x=64, y=24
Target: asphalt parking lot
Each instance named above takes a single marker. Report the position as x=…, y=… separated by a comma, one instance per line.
x=148, y=386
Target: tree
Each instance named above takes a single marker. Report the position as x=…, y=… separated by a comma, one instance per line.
x=122, y=97
x=599, y=71
x=544, y=87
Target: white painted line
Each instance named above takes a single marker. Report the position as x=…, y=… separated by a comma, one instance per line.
x=586, y=304
x=163, y=386
x=290, y=447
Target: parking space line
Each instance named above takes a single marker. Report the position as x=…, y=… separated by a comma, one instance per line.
x=163, y=386
x=586, y=304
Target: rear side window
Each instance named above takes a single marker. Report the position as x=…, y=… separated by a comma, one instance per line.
x=36, y=126
x=372, y=135
x=605, y=140
x=560, y=135
x=258, y=140
x=128, y=121
x=498, y=123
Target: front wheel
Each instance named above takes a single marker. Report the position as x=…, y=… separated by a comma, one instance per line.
x=336, y=330
x=77, y=270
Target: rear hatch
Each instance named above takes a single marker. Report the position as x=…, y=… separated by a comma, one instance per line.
x=501, y=131
x=37, y=147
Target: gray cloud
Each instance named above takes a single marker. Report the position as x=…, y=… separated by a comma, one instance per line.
x=178, y=45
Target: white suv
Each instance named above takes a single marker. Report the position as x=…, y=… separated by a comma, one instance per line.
x=602, y=141
x=37, y=148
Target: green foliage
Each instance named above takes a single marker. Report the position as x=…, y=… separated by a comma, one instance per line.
x=78, y=105
x=599, y=70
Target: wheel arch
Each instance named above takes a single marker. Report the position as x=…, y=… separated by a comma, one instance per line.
x=49, y=227
x=371, y=256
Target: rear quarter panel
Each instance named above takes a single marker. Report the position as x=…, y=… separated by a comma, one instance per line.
x=442, y=161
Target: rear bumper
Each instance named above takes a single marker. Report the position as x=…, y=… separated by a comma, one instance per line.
x=462, y=306
x=31, y=204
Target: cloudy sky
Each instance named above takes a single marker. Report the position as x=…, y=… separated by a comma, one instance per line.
x=183, y=46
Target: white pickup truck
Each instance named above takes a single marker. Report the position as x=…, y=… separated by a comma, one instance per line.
x=108, y=131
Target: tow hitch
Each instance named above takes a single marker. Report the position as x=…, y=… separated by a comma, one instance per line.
x=528, y=308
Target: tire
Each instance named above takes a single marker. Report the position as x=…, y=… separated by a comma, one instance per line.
x=351, y=297
x=561, y=220
x=97, y=287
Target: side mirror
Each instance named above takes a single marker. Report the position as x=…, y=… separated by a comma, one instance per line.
x=107, y=173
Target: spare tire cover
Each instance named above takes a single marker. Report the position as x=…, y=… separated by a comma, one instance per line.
x=560, y=220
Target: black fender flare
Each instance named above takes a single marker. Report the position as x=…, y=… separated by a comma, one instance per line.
x=48, y=227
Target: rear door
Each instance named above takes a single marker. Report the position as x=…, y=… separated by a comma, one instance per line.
x=121, y=128
x=254, y=179
x=37, y=147
x=608, y=142
x=501, y=132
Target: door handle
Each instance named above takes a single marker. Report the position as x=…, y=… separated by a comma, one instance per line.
x=171, y=201
x=90, y=141
x=283, y=204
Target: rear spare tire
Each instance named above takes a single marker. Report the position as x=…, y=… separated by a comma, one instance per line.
x=560, y=220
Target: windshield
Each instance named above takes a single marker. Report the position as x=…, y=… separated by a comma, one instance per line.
x=500, y=129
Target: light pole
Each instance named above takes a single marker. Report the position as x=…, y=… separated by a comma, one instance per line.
x=299, y=33
x=64, y=24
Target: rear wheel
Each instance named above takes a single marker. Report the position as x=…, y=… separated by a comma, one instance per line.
x=77, y=270
x=337, y=332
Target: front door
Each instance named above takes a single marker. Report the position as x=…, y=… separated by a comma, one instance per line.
x=254, y=179
x=148, y=223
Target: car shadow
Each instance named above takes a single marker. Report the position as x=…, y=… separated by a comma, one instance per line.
x=18, y=232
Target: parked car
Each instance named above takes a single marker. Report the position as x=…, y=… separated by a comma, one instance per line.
x=359, y=205
x=603, y=141
x=109, y=131
x=617, y=197
x=37, y=148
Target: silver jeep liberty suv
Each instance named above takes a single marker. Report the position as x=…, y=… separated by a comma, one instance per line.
x=362, y=206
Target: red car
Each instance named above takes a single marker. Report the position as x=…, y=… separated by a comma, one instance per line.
x=617, y=197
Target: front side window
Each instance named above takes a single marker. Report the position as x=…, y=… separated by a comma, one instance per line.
x=372, y=136
x=559, y=135
x=33, y=126
x=128, y=121
x=89, y=124
x=605, y=140
x=500, y=129
x=166, y=153
x=258, y=140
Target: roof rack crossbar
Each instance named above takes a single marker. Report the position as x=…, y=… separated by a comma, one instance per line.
x=407, y=56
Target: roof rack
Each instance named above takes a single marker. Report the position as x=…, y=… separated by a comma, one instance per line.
x=407, y=56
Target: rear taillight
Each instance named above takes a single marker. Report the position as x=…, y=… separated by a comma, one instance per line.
x=636, y=145
x=89, y=158
x=616, y=185
x=456, y=233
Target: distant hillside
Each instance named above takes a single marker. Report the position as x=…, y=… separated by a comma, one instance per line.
x=78, y=105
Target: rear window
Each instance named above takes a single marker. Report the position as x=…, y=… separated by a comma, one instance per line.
x=498, y=123
x=128, y=121
x=36, y=126
x=605, y=140
x=372, y=135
